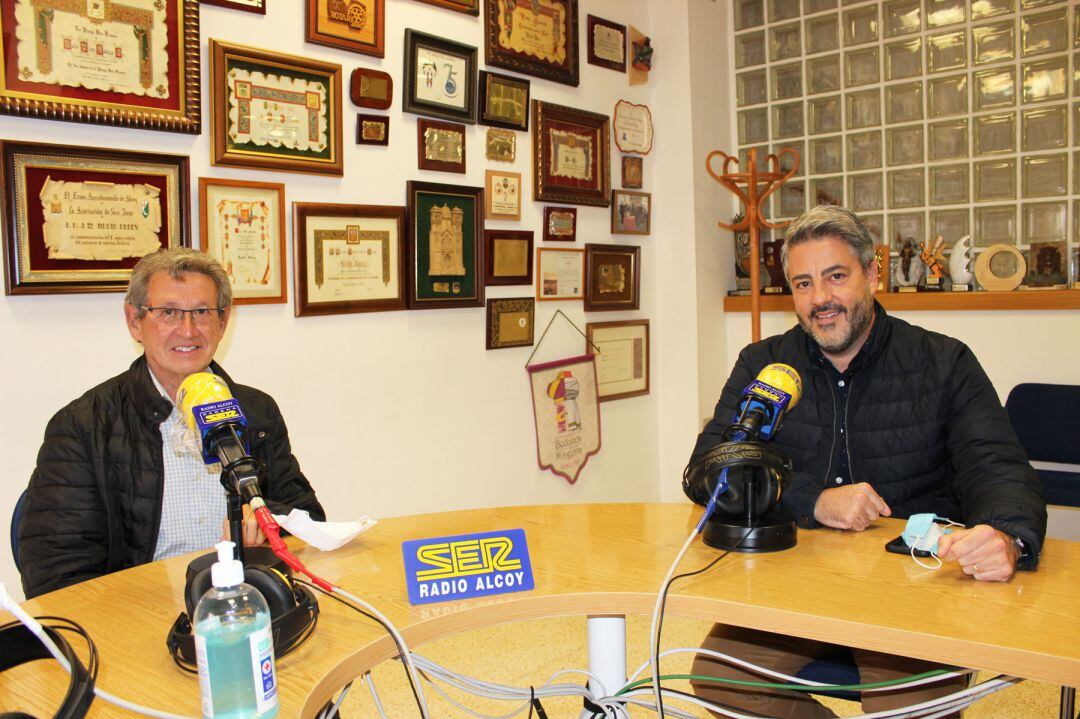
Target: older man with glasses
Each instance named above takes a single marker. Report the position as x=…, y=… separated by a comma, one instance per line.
x=115, y=484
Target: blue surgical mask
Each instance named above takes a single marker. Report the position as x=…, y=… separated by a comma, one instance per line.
x=922, y=533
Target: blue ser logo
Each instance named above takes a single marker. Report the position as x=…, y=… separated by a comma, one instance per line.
x=442, y=569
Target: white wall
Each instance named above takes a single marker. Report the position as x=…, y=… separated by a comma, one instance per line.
x=403, y=412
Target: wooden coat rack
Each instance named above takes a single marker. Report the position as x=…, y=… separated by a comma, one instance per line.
x=753, y=187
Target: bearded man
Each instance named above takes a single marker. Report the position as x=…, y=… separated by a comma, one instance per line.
x=894, y=420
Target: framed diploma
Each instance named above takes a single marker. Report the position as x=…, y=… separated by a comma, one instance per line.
x=349, y=258
x=440, y=146
x=77, y=219
x=534, y=37
x=508, y=257
x=504, y=101
x=372, y=129
x=560, y=274
x=134, y=63
x=357, y=25
x=560, y=224
x=255, y=6
x=571, y=155
x=502, y=195
x=631, y=212
x=273, y=111
x=607, y=44
x=241, y=225
x=510, y=322
x=440, y=77
x=469, y=7
x=445, y=245
x=612, y=274
x=633, y=127
x=622, y=357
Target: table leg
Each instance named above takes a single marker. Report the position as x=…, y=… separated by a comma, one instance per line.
x=1068, y=703
x=607, y=652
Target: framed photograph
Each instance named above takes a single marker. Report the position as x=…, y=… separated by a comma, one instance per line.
x=135, y=65
x=372, y=129
x=241, y=225
x=633, y=172
x=631, y=212
x=504, y=101
x=571, y=155
x=533, y=38
x=357, y=25
x=440, y=146
x=373, y=89
x=560, y=224
x=606, y=44
x=77, y=219
x=622, y=357
x=469, y=7
x=633, y=127
x=348, y=258
x=445, y=248
x=440, y=77
x=273, y=111
x=255, y=6
x=508, y=257
x=560, y=274
x=612, y=274
x=502, y=195
x=501, y=145
x=510, y=322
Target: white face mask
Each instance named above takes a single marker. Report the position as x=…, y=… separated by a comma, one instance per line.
x=922, y=533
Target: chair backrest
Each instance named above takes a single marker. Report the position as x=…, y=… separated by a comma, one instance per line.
x=1046, y=418
x=15, y=516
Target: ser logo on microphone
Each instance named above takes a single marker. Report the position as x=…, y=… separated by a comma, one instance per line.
x=469, y=565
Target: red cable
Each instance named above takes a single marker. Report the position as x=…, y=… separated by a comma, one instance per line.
x=272, y=531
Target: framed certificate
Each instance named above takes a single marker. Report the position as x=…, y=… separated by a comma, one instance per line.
x=622, y=357
x=255, y=6
x=440, y=77
x=273, y=111
x=508, y=257
x=504, y=101
x=560, y=274
x=440, y=146
x=606, y=44
x=241, y=225
x=349, y=258
x=571, y=155
x=77, y=219
x=502, y=195
x=445, y=245
x=134, y=63
x=536, y=38
x=631, y=212
x=612, y=277
x=510, y=322
x=357, y=25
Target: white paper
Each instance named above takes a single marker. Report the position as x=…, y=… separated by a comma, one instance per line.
x=325, y=536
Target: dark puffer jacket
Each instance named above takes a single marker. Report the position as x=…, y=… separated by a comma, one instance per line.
x=94, y=502
x=924, y=427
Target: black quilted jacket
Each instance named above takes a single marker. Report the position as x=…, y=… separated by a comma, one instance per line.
x=925, y=428
x=94, y=502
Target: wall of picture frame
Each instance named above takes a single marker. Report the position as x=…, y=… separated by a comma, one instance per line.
x=397, y=375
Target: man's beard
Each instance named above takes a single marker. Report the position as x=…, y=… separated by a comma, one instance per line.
x=859, y=318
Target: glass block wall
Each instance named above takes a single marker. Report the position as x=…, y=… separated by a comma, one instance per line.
x=926, y=117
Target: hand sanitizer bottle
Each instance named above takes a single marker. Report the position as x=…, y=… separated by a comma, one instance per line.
x=234, y=646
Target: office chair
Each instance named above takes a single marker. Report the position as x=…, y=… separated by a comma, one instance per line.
x=16, y=514
x=1045, y=419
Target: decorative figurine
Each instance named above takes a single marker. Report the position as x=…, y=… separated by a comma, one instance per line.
x=932, y=257
x=960, y=265
x=909, y=270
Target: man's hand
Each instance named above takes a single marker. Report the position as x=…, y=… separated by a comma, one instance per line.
x=253, y=536
x=982, y=551
x=853, y=506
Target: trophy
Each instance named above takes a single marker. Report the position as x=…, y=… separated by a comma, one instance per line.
x=932, y=257
x=742, y=256
x=960, y=265
x=908, y=269
x=775, y=267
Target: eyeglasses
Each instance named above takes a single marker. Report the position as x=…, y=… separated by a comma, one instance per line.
x=201, y=316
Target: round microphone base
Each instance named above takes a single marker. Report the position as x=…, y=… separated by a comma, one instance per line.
x=770, y=534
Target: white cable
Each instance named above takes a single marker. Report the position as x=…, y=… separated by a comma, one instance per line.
x=403, y=648
x=653, y=638
x=331, y=711
x=374, y=695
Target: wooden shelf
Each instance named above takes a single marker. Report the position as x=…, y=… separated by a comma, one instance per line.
x=1018, y=300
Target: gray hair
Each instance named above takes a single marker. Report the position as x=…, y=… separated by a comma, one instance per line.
x=176, y=261
x=830, y=221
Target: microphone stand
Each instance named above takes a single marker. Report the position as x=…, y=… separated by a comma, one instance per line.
x=235, y=505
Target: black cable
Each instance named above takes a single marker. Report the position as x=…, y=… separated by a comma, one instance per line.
x=401, y=650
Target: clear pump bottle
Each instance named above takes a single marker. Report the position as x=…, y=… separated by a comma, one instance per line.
x=234, y=645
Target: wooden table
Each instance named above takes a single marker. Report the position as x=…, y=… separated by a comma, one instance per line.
x=599, y=559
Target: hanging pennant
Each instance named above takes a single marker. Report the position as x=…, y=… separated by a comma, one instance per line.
x=567, y=414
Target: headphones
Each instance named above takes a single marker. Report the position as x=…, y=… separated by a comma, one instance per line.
x=19, y=645
x=294, y=610
x=741, y=459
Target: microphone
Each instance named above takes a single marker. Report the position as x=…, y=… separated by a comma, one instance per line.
x=775, y=392
x=208, y=407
